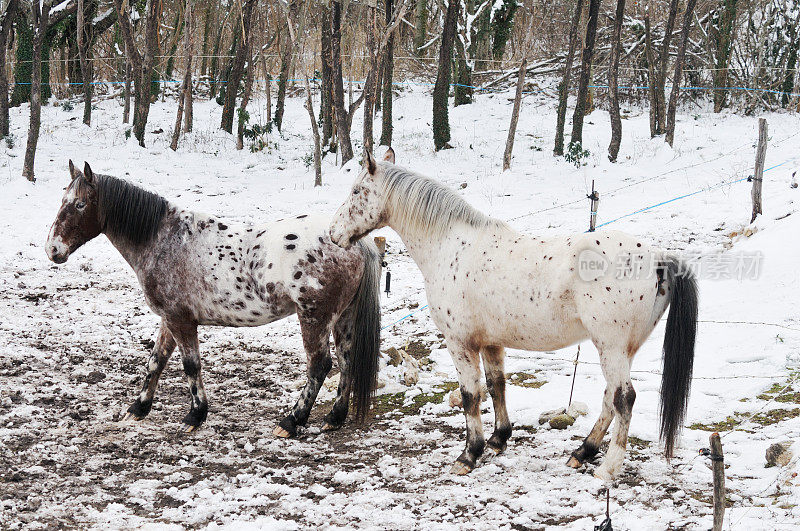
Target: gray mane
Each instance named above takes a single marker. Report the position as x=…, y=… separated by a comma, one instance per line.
x=427, y=205
x=127, y=210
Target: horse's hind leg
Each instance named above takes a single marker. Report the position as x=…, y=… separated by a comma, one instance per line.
x=343, y=338
x=316, y=340
x=493, y=365
x=467, y=364
x=186, y=337
x=162, y=350
x=591, y=444
x=616, y=369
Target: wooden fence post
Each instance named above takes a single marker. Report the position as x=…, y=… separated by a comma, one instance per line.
x=512, y=129
x=595, y=199
x=758, y=173
x=718, y=467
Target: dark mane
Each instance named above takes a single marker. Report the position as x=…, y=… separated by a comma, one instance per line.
x=127, y=210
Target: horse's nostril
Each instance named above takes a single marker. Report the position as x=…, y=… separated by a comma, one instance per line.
x=53, y=250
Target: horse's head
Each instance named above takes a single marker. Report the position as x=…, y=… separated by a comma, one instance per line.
x=78, y=220
x=364, y=209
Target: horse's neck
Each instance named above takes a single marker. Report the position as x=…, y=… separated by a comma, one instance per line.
x=429, y=252
x=137, y=254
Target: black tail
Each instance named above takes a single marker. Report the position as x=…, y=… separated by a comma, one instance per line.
x=366, y=332
x=678, y=349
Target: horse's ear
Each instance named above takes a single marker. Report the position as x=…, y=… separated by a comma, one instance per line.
x=372, y=166
x=71, y=171
x=88, y=174
x=389, y=155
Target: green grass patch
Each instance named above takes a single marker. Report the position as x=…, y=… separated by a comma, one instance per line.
x=396, y=402
x=524, y=379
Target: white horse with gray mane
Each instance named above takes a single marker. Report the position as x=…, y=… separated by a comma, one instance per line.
x=490, y=287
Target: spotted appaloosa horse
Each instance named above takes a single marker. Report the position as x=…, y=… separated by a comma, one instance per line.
x=490, y=287
x=196, y=270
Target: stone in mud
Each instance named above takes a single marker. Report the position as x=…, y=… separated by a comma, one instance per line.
x=395, y=357
x=411, y=375
x=562, y=422
x=545, y=417
x=456, y=400
x=779, y=454
x=578, y=409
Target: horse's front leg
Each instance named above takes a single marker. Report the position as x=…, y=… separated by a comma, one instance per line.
x=316, y=338
x=467, y=364
x=186, y=336
x=162, y=350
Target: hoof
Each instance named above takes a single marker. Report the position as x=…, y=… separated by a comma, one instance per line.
x=461, y=469
x=496, y=450
x=280, y=432
x=574, y=462
x=128, y=416
x=330, y=427
x=187, y=428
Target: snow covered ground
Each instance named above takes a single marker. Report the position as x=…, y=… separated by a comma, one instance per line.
x=73, y=337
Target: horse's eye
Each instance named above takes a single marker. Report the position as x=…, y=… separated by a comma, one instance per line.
x=80, y=205
x=356, y=191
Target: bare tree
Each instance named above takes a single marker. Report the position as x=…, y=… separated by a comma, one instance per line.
x=388, y=75
x=326, y=103
x=6, y=22
x=441, y=123
x=342, y=115
x=512, y=129
x=652, y=89
x=563, y=88
x=586, y=73
x=677, y=79
x=376, y=51
x=420, y=26
x=660, y=81
x=243, y=25
x=141, y=64
x=84, y=41
x=721, y=31
x=185, y=95
x=39, y=14
x=613, y=76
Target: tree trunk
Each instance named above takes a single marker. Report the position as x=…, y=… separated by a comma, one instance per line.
x=248, y=87
x=242, y=54
x=420, y=26
x=370, y=88
x=512, y=129
x=342, y=122
x=613, y=76
x=209, y=12
x=186, y=88
x=283, y=79
x=462, y=89
x=651, y=77
x=676, y=81
x=563, y=89
x=722, y=37
x=441, y=124
x=39, y=14
x=586, y=73
x=663, y=62
x=315, y=131
x=5, y=32
x=126, y=111
x=326, y=100
x=84, y=42
x=388, y=78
